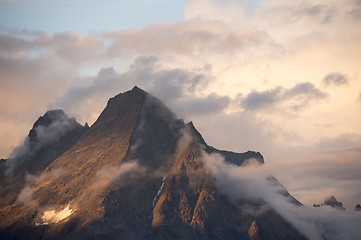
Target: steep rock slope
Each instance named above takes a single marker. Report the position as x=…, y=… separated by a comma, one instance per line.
x=137, y=173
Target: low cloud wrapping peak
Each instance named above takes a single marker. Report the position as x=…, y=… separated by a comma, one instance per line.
x=250, y=184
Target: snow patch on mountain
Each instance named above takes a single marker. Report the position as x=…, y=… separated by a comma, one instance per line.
x=54, y=216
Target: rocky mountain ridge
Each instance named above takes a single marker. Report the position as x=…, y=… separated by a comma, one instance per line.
x=136, y=173
x=332, y=202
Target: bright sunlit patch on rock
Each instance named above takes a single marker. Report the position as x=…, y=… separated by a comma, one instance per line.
x=54, y=217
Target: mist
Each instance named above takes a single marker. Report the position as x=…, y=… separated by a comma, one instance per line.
x=26, y=197
x=119, y=176
x=249, y=184
x=46, y=131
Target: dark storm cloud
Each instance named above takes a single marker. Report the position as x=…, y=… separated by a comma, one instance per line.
x=294, y=98
x=336, y=78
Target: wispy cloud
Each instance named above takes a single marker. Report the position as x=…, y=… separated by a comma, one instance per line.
x=294, y=98
x=336, y=78
x=250, y=184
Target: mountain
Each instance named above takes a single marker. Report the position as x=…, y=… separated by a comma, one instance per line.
x=332, y=202
x=51, y=135
x=136, y=173
x=358, y=208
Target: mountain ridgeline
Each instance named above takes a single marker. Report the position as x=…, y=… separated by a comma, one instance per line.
x=136, y=173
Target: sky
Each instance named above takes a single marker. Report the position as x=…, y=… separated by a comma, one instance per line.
x=275, y=76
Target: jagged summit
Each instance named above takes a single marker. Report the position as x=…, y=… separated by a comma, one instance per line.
x=332, y=202
x=52, y=134
x=121, y=104
x=55, y=121
x=136, y=173
x=49, y=117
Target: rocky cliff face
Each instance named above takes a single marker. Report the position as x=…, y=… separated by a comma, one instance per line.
x=137, y=173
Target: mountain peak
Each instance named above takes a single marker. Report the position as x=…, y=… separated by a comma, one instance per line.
x=137, y=89
x=332, y=202
x=136, y=173
x=52, y=125
x=48, y=118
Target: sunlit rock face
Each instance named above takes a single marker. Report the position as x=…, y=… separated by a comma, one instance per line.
x=137, y=173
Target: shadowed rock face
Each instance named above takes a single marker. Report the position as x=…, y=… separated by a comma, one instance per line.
x=51, y=135
x=137, y=173
x=358, y=208
x=332, y=202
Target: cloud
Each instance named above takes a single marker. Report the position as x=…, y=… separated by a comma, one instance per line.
x=44, y=177
x=316, y=175
x=256, y=100
x=65, y=45
x=191, y=106
x=342, y=141
x=26, y=197
x=26, y=194
x=250, y=184
x=119, y=176
x=47, y=130
x=294, y=98
x=230, y=11
x=188, y=39
x=336, y=79
x=176, y=87
x=321, y=13
x=355, y=11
